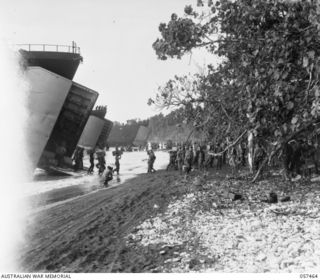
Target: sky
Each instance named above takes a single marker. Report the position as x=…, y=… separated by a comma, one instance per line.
x=115, y=38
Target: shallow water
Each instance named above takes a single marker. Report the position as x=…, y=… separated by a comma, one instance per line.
x=131, y=164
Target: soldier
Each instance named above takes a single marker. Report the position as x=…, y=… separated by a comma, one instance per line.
x=81, y=151
x=151, y=161
x=195, y=155
x=201, y=157
x=258, y=156
x=172, y=160
x=188, y=159
x=287, y=159
x=101, y=161
x=219, y=157
x=91, y=154
x=232, y=155
x=77, y=159
x=297, y=160
x=109, y=176
x=117, y=156
x=180, y=157
x=209, y=158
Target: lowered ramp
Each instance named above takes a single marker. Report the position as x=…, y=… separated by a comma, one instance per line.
x=47, y=94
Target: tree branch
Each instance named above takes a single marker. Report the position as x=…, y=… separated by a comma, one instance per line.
x=230, y=146
x=225, y=111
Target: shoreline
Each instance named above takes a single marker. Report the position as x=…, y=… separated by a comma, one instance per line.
x=133, y=164
x=45, y=200
x=80, y=228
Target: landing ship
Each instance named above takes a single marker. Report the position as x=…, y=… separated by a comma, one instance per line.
x=60, y=110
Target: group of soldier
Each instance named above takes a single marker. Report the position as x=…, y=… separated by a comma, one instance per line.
x=202, y=156
x=298, y=154
x=101, y=165
x=100, y=155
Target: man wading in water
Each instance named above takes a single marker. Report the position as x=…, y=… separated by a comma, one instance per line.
x=101, y=161
x=151, y=161
x=117, y=156
x=109, y=176
x=91, y=154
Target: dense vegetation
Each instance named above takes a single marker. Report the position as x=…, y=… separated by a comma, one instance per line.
x=268, y=80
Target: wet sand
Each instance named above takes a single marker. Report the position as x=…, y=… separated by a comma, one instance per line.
x=85, y=234
x=48, y=191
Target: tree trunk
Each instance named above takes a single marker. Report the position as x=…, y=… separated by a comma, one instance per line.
x=250, y=151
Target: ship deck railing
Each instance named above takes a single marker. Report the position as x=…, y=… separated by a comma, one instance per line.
x=50, y=48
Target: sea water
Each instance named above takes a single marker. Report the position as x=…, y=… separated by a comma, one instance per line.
x=131, y=165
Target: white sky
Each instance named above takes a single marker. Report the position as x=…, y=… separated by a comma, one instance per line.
x=115, y=38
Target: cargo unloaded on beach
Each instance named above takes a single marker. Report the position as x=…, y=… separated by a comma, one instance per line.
x=61, y=111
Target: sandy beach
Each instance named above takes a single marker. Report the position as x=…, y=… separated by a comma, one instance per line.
x=162, y=222
x=86, y=233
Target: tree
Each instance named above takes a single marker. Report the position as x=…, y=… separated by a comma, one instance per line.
x=268, y=81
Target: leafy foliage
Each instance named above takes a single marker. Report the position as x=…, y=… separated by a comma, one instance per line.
x=269, y=78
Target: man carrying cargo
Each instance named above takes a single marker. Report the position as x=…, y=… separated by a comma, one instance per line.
x=78, y=159
x=109, y=176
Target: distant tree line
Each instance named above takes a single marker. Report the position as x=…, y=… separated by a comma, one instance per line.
x=163, y=128
x=123, y=134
